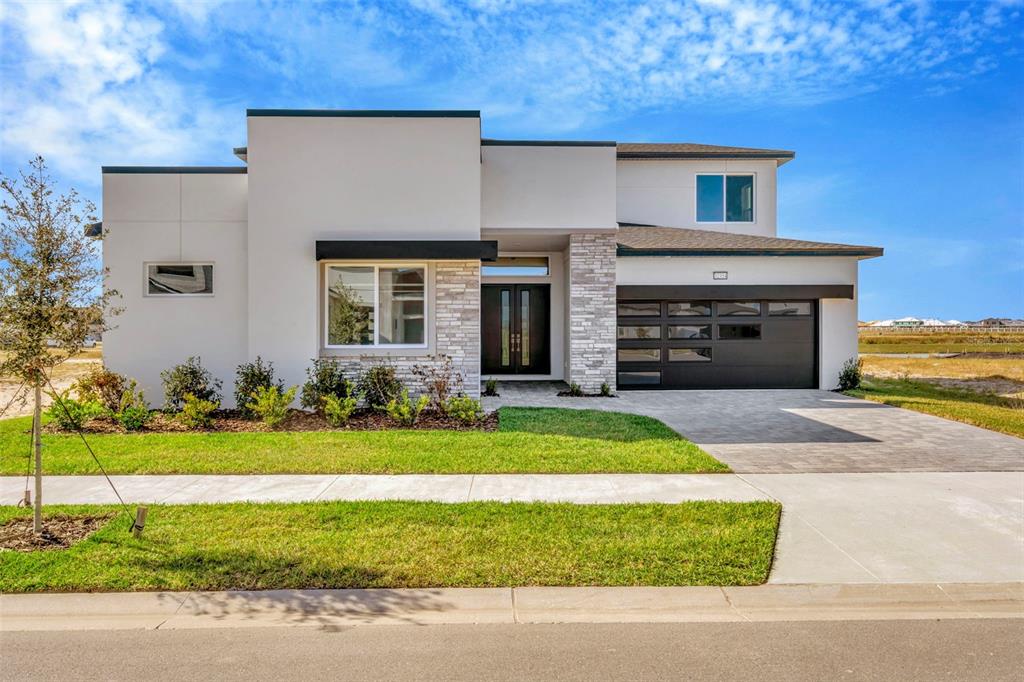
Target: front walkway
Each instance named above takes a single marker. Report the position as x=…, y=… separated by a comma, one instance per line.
x=836, y=528
x=798, y=431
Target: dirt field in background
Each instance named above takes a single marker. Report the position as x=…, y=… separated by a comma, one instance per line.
x=64, y=375
x=1000, y=375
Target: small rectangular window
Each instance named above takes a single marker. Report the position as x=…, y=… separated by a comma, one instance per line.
x=689, y=355
x=639, y=355
x=738, y=308
x=639, y=378
x=639, y=332
x=739, y=331
x=789, y=308
x=635, y=309
x=689, y=309
x=725, y=198
x=170, y=279
x=517, y=266
x=693, y=331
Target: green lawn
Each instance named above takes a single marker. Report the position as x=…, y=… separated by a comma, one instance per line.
x=980, y=409
x=407, y=544
x=530, y=440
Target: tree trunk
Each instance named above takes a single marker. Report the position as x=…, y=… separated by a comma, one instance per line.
x=37, y=427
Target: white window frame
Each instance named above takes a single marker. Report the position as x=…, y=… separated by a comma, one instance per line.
x=376, y=265
x=145, y=278
x=723, y=221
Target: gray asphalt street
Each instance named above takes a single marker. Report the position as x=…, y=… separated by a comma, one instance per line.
x=866, y=650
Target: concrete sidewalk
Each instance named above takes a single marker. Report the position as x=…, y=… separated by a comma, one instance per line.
x=336, y=608
x=836, y=528
x=578, y=488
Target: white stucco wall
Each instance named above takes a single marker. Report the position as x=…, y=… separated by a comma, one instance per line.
x=837, y=322
x=172, y=218
x=663, y=192
x=316, y=178
x=548, y=187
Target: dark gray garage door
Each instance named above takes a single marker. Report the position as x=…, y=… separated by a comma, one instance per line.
x=717, y=344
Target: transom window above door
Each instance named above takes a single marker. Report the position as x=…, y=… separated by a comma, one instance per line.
x=517, y=266
x=725, y=198
x=375, y=305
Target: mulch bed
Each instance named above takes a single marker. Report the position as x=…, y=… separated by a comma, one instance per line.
x=567, y=394
x=231, y=421
x=60, y=531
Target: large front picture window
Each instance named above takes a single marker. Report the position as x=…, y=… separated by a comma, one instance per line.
x=375, y=305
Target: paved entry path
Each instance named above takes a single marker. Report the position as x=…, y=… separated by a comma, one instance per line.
x=836, y=528
x=798, y=431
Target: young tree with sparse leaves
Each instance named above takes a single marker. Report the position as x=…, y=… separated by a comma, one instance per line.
x=51, y=286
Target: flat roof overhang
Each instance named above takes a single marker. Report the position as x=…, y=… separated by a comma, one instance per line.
x=779, y=292
x=485, y=250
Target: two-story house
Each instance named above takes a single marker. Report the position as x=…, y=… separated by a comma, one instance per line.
x=400, y=236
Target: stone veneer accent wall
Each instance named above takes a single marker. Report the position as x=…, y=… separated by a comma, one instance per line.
x=456, y=311
x=592, y=310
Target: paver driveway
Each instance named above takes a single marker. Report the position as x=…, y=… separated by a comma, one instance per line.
x=799, y=431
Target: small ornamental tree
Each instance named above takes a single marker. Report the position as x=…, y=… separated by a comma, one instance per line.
x=51, y=286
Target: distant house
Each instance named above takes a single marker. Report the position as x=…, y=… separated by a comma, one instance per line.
x=908, y=322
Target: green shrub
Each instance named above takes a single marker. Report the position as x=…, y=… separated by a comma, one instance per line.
x=379, y=386
x=440, y=380
x=324, y=378
x=249, y=377
x=491, y=387
x=404, y=411
x=189, y=377
x=339, y=410
x=271, y=403
x=851, y=374
x=464, y=409
x=197, y=413
x=606, y=390
x=75, y=413
x=575, y=391
x=102, y=386
x=133, y=411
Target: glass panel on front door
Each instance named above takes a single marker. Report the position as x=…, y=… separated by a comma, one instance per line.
x=524, y=332
x=506, y=328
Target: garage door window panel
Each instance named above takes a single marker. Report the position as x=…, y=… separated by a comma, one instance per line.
x=789, y=308
x=689, y=331
x=636, y=332
x=639, y=309
x=689, y=309
x=738, y=308
x=639, y=378
x=639, y=355
x=746, y=332
x=689, y=355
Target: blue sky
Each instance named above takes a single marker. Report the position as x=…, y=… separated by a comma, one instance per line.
x=907, y=117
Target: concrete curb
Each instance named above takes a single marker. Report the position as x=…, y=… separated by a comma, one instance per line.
x=344, y=608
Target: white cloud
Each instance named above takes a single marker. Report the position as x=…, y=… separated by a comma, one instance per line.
x=90, y=91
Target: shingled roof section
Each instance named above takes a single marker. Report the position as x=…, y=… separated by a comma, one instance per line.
x=649, y=240
x=690, y=150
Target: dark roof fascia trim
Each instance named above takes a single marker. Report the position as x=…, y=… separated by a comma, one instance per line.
x=780, y=292
x=868, y=252
x=705, y=155
x=487, y=142
x=365, y=113
x=485, y=250
x=180, y=170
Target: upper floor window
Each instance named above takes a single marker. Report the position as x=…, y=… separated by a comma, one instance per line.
x=725, y=198
x=169, y=279
x=375, y=305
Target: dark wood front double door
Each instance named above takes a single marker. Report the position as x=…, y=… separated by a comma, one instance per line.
x=516, y=335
